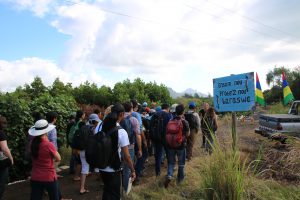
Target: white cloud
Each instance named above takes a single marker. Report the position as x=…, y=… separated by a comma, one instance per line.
x=19, y=72
x=38, y=7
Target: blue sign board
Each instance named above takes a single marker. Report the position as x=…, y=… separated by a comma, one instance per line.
x=234, y=93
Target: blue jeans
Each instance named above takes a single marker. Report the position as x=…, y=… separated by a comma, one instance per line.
x=139, y=166
x=158, y=154
x=38, y=187
x=126, y=169
x=172, y=153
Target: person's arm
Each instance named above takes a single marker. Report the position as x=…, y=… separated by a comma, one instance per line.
x=6, y=151
x=216, y=122
x=136, y=129
x=186, y=128
x=54, y=152
x=128, y=161
x=57, y=157
x=198, y=125
x=144, y=141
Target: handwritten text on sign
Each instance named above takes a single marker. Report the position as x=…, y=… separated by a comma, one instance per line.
x=234, y=93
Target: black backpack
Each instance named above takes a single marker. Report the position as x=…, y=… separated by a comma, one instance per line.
x=102, y=150
x=81, y=136
x=126, y=124
x=192, y=120
x=157, y=127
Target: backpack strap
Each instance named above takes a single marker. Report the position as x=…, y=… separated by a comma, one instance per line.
x=99, y=127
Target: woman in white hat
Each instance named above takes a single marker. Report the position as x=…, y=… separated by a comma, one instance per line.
x=43, y=153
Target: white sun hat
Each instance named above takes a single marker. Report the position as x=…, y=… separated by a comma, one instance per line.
x=40, y=127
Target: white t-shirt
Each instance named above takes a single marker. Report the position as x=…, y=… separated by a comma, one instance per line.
x=123, y=141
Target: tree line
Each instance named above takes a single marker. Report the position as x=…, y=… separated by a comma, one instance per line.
x=274, y=80
x=20, y=106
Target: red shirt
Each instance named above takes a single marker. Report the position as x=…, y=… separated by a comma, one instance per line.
x=43, y=166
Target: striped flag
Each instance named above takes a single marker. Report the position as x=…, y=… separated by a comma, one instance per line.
x=287, y=93
x=259, y=97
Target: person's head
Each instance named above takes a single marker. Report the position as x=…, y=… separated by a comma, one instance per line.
x=165, y=107
x=135, y=104
x=119, y=110
x=51, y=117
x=72, y=117
x=145, y=104
x=107, y=110
x=39, y=131
x=79, y=115
x=3, y=122
x=192, y=105
x=205, y=106
x=128, y=106
x=94, y=119
x=99, y=113
x=153, y=105
x=110, y=121
x=211, y=112
x=36, y=116
x=173, y=108
x=179, y=110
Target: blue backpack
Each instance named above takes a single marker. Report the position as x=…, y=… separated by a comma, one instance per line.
x=127, y=125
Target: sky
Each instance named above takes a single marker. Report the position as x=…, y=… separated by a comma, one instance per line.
x=179, y=43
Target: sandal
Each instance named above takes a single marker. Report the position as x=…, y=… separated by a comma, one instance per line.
x=84, y=192
x=76, y=179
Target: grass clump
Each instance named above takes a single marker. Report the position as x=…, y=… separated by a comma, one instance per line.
x=223, y=175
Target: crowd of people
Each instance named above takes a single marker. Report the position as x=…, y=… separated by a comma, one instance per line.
x=135, y=131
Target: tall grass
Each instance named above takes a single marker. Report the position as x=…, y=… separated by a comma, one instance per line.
x=278, y=108
x=223, y=175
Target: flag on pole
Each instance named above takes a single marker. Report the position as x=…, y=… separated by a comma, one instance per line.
x=259, y=97
x=287, y=93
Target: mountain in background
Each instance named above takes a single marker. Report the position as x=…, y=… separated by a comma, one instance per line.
x=189, y=91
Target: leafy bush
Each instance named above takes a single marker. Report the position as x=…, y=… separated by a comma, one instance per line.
x=18, y=113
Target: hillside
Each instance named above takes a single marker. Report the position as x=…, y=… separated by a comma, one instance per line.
x=188, y=91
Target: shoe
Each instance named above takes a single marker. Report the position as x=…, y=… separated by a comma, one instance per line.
x=167, y=181
x=59, y=176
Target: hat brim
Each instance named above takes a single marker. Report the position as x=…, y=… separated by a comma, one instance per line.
x=33, y=132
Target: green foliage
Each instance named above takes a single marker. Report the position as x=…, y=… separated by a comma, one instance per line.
x=139, y=90
x=274, y=78
x=18, y=112
x=59, y=88
x=199, y=101
x=278, y=108
x=18, y=115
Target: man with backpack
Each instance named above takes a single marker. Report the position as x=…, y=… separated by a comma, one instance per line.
x=158, y=125
x=132, y=127
x=177, y=132
x=79, y=118
x=139, y=165
x=104, y=151
x=194, y=123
